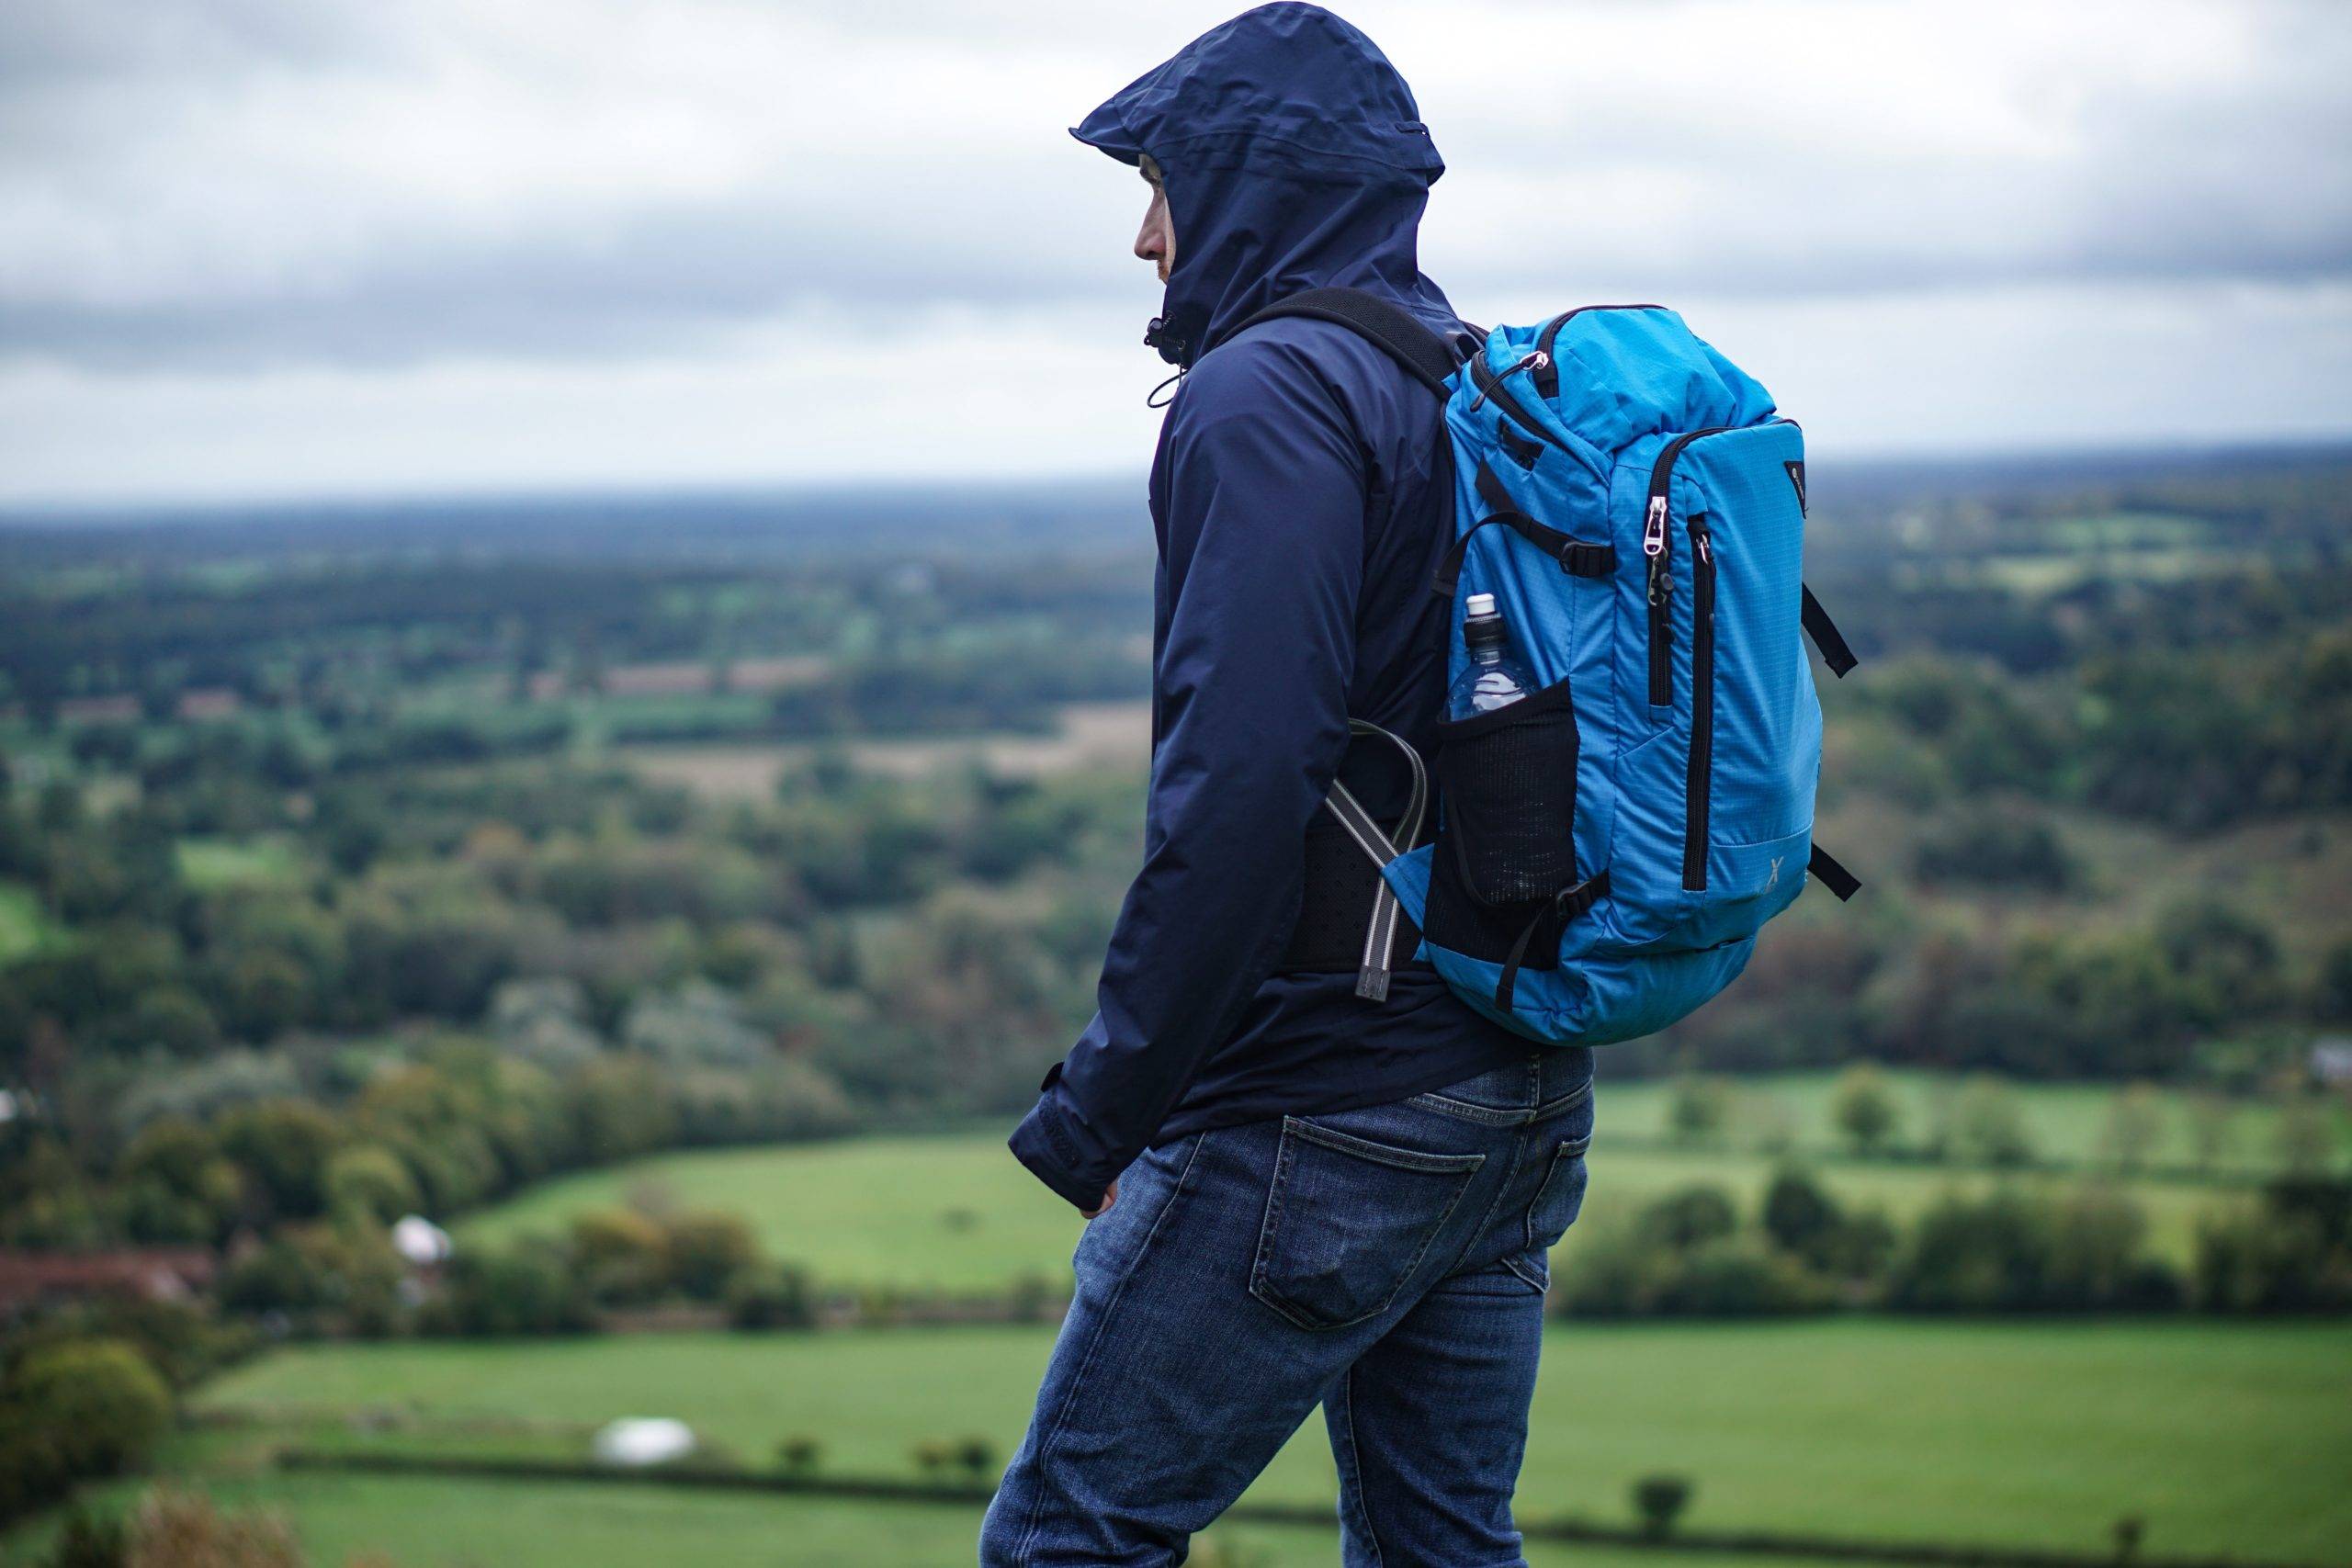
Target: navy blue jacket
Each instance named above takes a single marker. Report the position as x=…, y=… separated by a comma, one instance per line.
x=1299, y=502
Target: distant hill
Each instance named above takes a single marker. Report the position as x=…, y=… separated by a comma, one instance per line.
x=993, y=518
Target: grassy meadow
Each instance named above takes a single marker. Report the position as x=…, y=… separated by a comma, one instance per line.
x=440, y=1520
x=955, y=1213
x=2226, y=1439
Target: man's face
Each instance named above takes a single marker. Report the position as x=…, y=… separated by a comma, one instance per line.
x=1155, y=241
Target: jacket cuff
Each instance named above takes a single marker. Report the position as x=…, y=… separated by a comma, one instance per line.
x=1042, y=1144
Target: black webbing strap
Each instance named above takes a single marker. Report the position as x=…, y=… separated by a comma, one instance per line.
x=1578, y=557
x=1832, y=875
x=1826, y=637
x=1569, y=903
x=1385, y=322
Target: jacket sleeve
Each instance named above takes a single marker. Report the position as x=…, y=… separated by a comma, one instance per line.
x=1264, y=520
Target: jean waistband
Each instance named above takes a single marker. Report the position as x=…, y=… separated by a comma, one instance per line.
x=1543, y=1076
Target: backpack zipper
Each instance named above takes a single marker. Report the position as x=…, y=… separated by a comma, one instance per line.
x=1696, y=793
x=1548, y=374
x=1655, y=546
x=1490, y=389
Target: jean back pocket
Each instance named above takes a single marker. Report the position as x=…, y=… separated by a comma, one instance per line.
x=1348, y=1220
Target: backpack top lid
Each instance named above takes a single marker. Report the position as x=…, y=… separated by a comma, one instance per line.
x=1620, y=373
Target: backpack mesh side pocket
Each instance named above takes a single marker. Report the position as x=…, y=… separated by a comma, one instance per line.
x=1506, y=841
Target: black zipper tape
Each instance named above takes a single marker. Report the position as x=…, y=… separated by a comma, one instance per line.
x=1698, y=780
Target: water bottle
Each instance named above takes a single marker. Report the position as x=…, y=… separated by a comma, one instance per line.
x=1493, y=678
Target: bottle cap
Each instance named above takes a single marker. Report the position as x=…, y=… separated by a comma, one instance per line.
x=1479, y=605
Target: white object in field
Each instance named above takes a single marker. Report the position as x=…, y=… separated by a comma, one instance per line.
x=420, y=1241
x=644, y=1439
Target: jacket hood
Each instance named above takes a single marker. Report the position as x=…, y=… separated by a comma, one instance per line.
x=1294, y=157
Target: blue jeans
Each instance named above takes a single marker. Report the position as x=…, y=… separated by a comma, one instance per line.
x=1389, y=1264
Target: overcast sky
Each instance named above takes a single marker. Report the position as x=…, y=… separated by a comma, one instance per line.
x=295, y=247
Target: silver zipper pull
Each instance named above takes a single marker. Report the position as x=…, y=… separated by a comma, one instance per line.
x=1653, y=528
x=1705, y=552
x=1535, y=360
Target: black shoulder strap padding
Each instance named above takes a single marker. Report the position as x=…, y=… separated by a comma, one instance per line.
x=1826, y=637
x=1832, y=875
x=1387, y=323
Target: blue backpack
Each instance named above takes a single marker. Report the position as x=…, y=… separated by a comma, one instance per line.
x=1608, y=847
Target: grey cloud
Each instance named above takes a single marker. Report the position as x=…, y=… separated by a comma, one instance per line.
x=2243, y=179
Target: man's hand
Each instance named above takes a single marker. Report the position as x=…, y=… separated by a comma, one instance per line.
x=1110, y=1196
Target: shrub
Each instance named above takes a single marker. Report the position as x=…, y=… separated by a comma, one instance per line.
x=529, y=1288
x=97, y=1404
x=179, y=1530
x=1988, y=846
x=1973, y=1256
x=707, y=1251
x=1698, y=1109
x=770, y=1295
x=2279, y=1257
x=1660, y=1500
x=1739, y=1275
x=1864, y=1107
x=801, y=1454
x=978, y=1457
x=88, y=1540
x=621, y=1256
x=1986, y=1125
x=1798, y=1214
x=1689, y=1215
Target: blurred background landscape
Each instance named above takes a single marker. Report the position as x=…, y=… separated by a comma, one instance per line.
x=574, y=609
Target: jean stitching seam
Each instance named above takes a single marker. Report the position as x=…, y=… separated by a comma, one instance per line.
x=1264, y=1291
x=1518, y=1152
x=1101, y=1331
x=1490, y=1115
x=1355, y=1466
x=1568, y=1101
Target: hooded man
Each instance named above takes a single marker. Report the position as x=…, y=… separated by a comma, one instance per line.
x=1297, y=1194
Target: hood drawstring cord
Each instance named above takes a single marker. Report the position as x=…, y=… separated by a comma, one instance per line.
x=1152, y=400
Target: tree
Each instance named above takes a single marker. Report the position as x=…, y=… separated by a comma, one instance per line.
x=282, y=1147
x=1864, y=1107
x=1798, y=1214
x=368, y=1182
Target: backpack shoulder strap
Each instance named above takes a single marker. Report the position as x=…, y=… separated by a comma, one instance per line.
x=1404, y=337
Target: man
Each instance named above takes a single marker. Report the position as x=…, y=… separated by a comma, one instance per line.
x=1296, y=1195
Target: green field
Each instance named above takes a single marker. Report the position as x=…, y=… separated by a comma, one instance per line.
x=955, y=1213
x=2227, y=1438
x=2065, y=1121
x=209, y=863
x=403, y=1522
x=23, y=928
